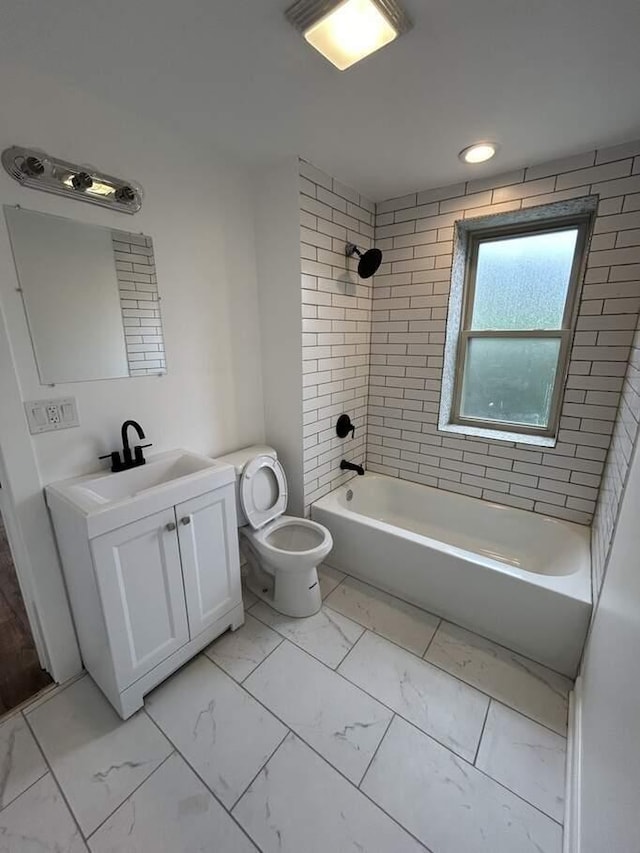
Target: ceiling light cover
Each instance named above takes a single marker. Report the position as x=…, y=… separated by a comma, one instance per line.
x=345, y=31
x=479, y=152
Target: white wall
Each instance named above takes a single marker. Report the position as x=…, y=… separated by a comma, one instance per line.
x=198, y=209
x=609, y=814
x=278, y=251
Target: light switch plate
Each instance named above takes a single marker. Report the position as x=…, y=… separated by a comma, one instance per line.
x=47, y=415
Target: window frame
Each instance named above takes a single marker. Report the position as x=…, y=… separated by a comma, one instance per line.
x=581, y=222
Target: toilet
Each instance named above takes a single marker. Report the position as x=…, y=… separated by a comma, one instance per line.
x=282, y=551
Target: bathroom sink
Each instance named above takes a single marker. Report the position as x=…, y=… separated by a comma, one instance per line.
x=167, y=479
x=107, y=488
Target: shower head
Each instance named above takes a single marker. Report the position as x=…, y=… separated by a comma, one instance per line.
x=369, y=260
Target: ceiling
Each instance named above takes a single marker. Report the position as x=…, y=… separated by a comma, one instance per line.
x=545, y=78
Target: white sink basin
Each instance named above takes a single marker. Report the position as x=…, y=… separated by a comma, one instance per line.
x=110, y=500
x=107, y=488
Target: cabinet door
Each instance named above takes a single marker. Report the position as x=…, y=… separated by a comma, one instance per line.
x=140, y=582
x=210, y=562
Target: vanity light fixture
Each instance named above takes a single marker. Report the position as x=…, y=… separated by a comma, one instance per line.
x=479, y=152
x=35, y=169
x=345, y=31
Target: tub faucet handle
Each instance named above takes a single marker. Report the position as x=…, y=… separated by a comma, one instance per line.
x=344, y=427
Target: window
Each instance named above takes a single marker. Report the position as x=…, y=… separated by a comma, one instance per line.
x=516, y=325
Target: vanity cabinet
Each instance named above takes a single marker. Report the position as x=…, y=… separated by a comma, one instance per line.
x=149, y=594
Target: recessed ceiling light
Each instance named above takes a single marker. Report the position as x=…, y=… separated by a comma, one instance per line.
x=345, y=31
x=478, y=152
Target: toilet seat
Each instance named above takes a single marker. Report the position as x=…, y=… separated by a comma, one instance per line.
x=263, y=491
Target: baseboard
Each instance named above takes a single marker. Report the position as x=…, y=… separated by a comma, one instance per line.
x=573, y=782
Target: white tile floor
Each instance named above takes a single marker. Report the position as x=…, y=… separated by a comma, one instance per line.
x=372, y=726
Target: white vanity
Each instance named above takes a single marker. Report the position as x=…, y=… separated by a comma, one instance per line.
x=150, y=557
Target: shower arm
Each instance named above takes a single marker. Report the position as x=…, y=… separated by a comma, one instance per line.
x=351, y=249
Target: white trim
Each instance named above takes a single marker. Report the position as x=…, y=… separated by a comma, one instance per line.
x=36, y=559
x=571, y=839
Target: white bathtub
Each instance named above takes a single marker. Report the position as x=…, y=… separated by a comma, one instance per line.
x=516, y=577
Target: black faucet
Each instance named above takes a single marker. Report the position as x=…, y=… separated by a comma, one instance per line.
x=128, y=460
x=351, y=466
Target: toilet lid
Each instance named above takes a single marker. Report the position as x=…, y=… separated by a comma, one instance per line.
x=263, y=491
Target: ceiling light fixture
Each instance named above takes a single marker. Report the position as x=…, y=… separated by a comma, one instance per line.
x=345, y=31
x=479, y=152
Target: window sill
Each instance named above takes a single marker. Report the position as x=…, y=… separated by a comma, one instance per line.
x=500, y=435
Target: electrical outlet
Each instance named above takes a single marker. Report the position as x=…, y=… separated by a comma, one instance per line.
x=47, y=415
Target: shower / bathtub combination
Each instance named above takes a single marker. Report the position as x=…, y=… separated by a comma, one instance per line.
x=519, y=578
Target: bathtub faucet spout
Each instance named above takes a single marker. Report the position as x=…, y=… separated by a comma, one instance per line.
x=351, y=466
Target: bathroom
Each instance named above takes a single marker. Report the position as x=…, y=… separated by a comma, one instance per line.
x=459, y=675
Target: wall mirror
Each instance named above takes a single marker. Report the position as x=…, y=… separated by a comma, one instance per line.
x=91, y=298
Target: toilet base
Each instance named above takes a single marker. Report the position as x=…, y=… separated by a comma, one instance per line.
x=292, y=593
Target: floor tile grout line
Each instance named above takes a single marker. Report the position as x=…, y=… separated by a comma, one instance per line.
x=484, y=773
x=47, y=772
x=291, y=731
x=340, y=582
x=274, y=649
x=326, y=760
x=433, y=636
x=264, y=763
x=423, y=660
x=340, y=773
x=373, y=698
x=56, y=781
x=241, y=682
x=128, y=797
x=255, y=616
x=484, y=725
x=375, y=752
x=457, y=678
x=196, y=772
x=327, y=604
x=444, y=621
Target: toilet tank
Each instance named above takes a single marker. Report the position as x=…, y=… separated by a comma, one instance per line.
x=240, y=458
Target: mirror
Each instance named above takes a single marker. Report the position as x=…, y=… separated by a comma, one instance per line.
x=91, y=298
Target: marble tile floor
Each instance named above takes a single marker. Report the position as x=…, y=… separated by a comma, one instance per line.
x=372, y=726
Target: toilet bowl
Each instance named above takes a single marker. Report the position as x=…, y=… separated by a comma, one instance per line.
x=282, y=551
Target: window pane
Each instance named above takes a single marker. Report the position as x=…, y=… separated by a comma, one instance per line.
x=522, y=282
x=510, y=379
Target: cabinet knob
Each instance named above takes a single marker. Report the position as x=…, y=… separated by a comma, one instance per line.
x=185, y=520
x=171, y=526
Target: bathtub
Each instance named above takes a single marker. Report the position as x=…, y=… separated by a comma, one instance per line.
x=516, y=577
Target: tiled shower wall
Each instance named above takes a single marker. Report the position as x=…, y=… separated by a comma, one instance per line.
x=625, y=435
x=410, y=298
x=336, y=327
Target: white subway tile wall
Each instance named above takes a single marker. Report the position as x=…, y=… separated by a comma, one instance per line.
x=336, y=327
x=139, y=302
x=625, y=435
x=409, y=314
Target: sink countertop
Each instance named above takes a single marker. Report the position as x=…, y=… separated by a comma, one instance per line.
x=108, y=500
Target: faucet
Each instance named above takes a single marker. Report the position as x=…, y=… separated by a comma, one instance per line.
x=128, y=460
x=351, y=466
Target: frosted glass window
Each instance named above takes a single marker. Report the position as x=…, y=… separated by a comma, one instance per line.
x=510, y=380
x=516, y=327
x=522, y=282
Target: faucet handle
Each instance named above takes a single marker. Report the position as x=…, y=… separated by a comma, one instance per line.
x=116, y=462
x=138, y=454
